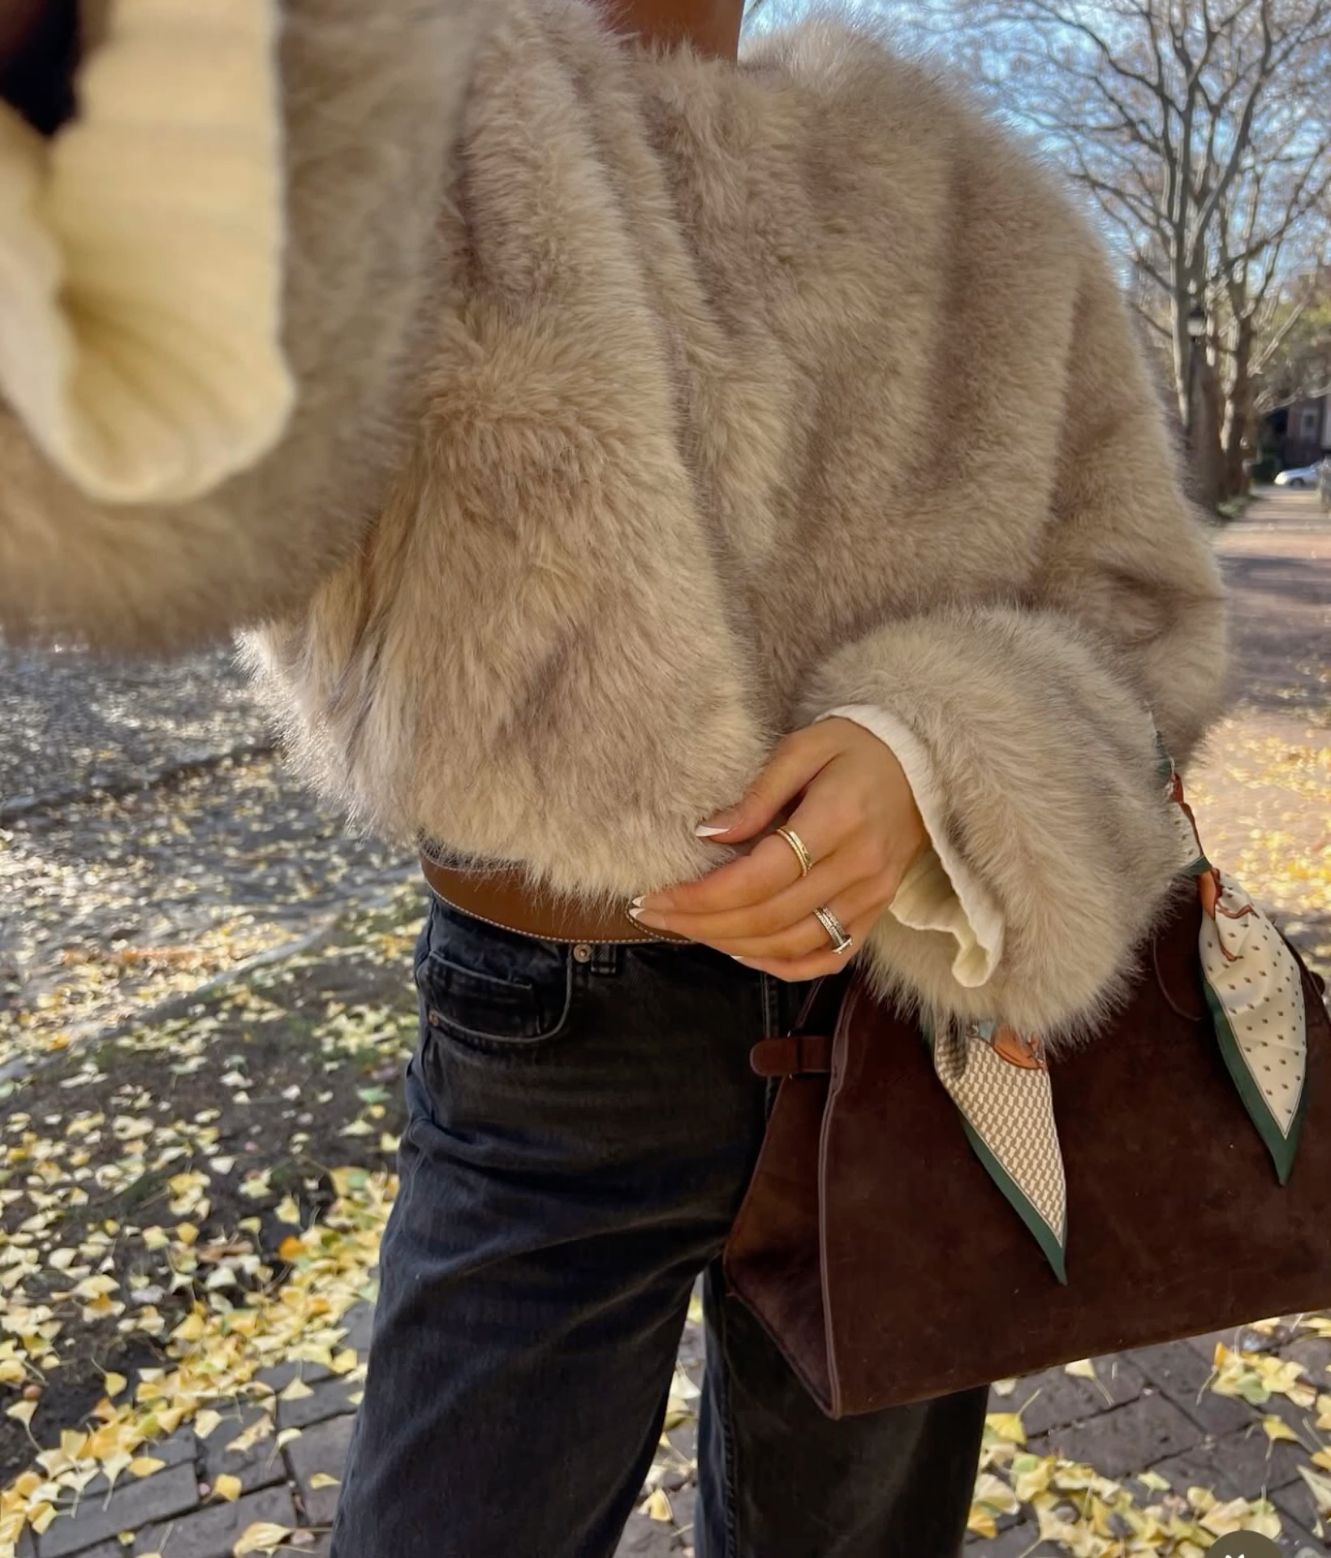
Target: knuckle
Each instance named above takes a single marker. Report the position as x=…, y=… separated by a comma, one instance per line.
x=873, y=852
x=793, y=740
x=849, y=813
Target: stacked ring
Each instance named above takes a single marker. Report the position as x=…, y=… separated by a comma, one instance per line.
x=836, y=931
x=800, y=847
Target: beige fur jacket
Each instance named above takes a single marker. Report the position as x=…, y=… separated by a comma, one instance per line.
x=646, y=407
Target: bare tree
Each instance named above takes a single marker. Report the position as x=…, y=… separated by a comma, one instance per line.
x=1296, y=353
x=1201, y=130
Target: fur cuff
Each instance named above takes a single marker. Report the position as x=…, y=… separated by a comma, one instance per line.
x=1046, y=760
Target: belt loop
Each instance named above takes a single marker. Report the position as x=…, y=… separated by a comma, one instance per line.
x=607, y=957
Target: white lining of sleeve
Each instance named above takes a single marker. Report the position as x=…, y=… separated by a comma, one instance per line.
x=939, y=892
x=141, y=256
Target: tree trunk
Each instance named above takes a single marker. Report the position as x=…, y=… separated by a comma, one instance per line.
x=1239, y=417
x=1206, y=455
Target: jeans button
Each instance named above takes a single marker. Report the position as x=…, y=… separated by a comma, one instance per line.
x=582, y=953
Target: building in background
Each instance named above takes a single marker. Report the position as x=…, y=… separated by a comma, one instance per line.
x=1298, y=433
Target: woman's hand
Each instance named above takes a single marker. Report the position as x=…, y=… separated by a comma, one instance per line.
x=859, y=821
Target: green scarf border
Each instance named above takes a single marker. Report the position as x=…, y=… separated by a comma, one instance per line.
x=1017, y=1198
x=1283, y=1149
x=1019, y=1201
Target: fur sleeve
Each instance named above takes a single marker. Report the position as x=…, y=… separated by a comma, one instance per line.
x=370, y=98
x=1039, y=715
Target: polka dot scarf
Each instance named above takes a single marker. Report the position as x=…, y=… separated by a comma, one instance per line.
x=1002, y=1086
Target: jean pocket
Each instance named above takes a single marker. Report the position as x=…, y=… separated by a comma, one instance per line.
x=491, y=989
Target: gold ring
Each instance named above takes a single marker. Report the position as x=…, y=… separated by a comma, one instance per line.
x=836, y=931
x=800, y=847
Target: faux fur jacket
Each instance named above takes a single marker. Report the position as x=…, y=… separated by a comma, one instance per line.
x=647, y=407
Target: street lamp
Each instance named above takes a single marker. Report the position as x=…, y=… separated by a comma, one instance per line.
x=1196, y=323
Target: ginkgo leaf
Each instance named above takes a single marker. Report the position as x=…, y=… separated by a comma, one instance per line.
x=657, y=1506
x=1082, y=1369
x=994, y=1494
x=262, y=1537
x=1007, y=1425
x=227, y=1486
x=981, y=1522
x=145, y=1466
x=22, y=1410
x=1319, y=1487
x=114, y=1383
x=322, y=1479
x=1277, y=1428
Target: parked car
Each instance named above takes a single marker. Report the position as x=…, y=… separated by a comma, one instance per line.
x=1300, y=476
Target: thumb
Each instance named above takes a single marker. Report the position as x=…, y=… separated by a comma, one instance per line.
x=791, y=767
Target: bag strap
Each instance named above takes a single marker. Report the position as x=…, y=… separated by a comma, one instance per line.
x=792, y=1055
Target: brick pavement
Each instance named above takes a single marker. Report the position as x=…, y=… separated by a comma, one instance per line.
x=1147, y=1410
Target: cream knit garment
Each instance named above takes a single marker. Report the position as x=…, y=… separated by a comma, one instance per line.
x=139, y=315
x=940, y=892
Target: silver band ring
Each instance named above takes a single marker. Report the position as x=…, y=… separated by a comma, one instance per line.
x=800, y=847
x=836, y=931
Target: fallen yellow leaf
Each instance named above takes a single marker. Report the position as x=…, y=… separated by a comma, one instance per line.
x=1278, y=1429
x=982, y=1522
x=227, y=1487
x=658, y=1506
x=261, y=1537
x=1007, y=1425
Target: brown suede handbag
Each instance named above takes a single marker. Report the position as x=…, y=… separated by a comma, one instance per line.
x=883, y=1258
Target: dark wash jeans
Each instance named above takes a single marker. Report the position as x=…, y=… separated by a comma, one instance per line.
x=582, y=1123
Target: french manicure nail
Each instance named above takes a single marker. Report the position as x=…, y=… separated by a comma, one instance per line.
x=637, y=902
x=704, y=831
x=635, y=913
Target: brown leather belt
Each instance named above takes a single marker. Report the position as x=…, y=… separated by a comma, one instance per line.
x=501, y=896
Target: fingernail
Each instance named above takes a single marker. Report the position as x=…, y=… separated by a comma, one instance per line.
x=720, y=822
x=635, y=913
x=637, y=902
